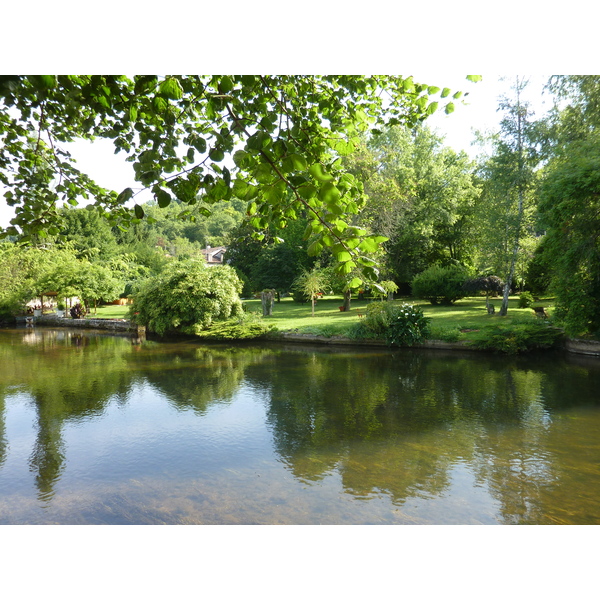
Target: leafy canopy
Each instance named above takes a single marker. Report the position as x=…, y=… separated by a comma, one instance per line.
x=286, y=136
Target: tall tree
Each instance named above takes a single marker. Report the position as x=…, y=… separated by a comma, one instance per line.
x=569, y=204
x=570, y=208
x=421, y=195
x=285, y=134
x=509, y=178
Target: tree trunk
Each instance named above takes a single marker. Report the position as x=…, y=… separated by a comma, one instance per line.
x=513, y=260
x=267, y=298
x=347, y=299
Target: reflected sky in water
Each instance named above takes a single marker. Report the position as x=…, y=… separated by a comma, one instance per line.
x=101, y=429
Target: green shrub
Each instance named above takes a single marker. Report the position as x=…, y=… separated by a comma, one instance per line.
x=187, y=297
x=525, y=300
x=441, y=284
x=248, y=326
x=445, y=333
x=399, y=325
x=490, y=284
x=299, y=296
x=519, y=336
x=408, y=327
x=327, y=330
x=378, y=316
x=246, y=284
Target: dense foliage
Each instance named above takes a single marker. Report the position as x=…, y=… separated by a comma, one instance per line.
x=285, y=134
x=439, y=284
x=244, y=327
x=187, y=298
x=399, y=325
x=517, y=337
x=422, y=196
x=571, y=210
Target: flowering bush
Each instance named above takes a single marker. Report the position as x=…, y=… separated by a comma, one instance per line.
x=400, y=325
x=408, y=327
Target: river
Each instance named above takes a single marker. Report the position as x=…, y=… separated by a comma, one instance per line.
x=104, y=429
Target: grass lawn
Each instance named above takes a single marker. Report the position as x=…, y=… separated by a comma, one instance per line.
x=458, y=321
x=110, y=311
x=466, y=314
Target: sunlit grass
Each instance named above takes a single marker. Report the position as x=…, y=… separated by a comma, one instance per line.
x=110, y=311
x=468, y=313
x=289, y=315
x=447, y=321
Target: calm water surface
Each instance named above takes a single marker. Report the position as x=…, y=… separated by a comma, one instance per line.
x=100, y=429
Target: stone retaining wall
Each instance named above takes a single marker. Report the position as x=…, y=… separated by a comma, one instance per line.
x=105, y=324
x=341, y=340
x=588, y=347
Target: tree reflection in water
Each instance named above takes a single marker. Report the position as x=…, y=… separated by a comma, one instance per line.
x=391, y=424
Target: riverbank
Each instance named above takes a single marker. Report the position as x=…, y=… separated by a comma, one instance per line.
x=575, y=346
x=572, y=345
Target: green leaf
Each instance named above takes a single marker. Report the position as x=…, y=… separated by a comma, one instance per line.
x=432, y=108
x=226, y=176
x=125, y=195
x=343, y=256
x=171, y=88
x=329, y=194
x=315, y=248
x=347, y=267
x=319, y=173
x=225, y=85
x=139, y=211
x=200, y=144
x=259, y=141
x=449, y=108
x=163, y=198
x=368, y=245
x=432, y=89
x=307, y=191
x=328, y=241
x=371, y=273
x=294, y=162
x=343, y=147
x=445, y=93
x=241, y=159
x=264, y=174
x=159, y=104
x=474, y=78
x=371, y=244
x=355, y=283
x=43, y=82
x=216, y=154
